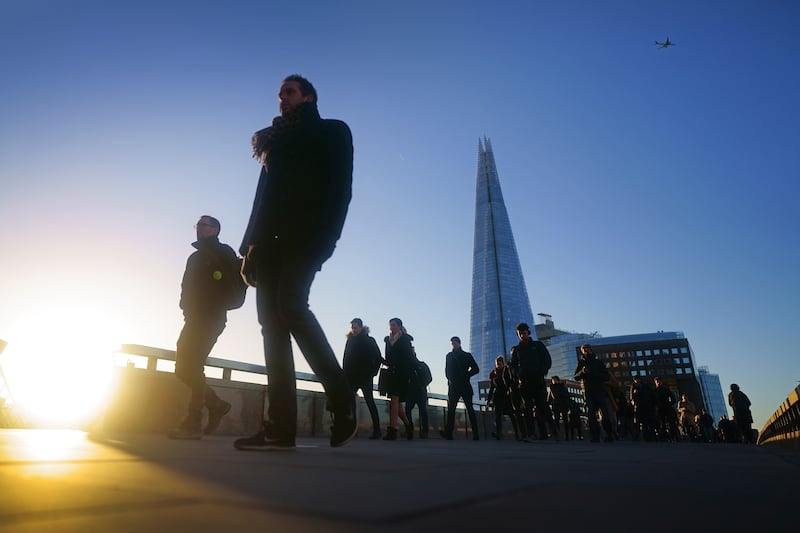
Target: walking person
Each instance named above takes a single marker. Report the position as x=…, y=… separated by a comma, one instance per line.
x=741, y=413
x=558, y=398
x=205, y=302
x=459, y=367
x=499, y=399
x=361, y=362
x=400, y=360
x=531, y=362
x=298, y=214
x=666, y=416
x=418, y=396
x=593, y=375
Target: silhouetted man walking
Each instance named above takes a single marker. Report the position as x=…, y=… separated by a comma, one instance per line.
x=298, y=213
x=459, y=367
x=204, y=301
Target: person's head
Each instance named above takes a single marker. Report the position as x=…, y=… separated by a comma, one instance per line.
x=356, y=325
x=395, y=325
x=295, y=91
x=683, y=397
x=734, y=387
x=523, y=331
x=207, y=226
x=555, y=379
x=455, y=342
x=499, y=361
x=657, y=381
x=586, y=350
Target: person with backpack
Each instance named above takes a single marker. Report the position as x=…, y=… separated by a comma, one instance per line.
x=459, y=367
x=361, y=362
x=418, y=395
x=211, y=276
x=500, y=399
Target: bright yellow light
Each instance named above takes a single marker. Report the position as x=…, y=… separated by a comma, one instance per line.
x=58, y=365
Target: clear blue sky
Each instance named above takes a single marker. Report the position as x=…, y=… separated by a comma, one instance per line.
x=648, y=189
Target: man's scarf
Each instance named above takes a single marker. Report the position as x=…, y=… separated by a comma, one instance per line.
x=264, y=140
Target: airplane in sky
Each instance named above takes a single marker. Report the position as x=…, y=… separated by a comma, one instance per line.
x=665, y=43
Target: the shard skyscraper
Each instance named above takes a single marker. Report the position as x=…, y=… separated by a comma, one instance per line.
x=499, y=297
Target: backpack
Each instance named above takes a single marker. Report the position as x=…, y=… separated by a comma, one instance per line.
x=234, y=287
x=423, y=374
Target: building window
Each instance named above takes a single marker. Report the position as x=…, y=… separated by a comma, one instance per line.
x=679, y=371
x=638, y=353
x=648, y=352
x=687, y=370
x=684, y=350
x=686, y=360
x=677, y=360
x=674, y=351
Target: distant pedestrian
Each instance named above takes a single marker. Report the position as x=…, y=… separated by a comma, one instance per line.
x=706, y=424
x=459, y=367
x=400, y=360
x=418, y=396
x=558, y=397
x=362, y=360
x=686, y=414
x=204, y=301
x=593, y=375
x=531, y=362
x=643, y=401
x=741, y=413
x=499, y=399
x=575, y=422
x=665, y=411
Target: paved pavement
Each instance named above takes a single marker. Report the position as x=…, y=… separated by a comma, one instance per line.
x=64, y=481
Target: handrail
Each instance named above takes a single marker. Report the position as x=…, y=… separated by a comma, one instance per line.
x=154, y=354
x=783, y=427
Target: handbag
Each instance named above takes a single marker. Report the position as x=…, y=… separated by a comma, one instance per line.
x=383, y=380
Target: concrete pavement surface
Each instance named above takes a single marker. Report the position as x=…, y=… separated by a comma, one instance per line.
x=65, y=481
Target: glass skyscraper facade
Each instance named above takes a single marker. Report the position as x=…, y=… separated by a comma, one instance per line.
x=499, y=296
x=712, y=393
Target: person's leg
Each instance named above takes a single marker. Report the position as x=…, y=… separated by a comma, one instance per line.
x=410, y=403
x=194, y=344
x=591, y=413
x=369, y=399
x=449, y=426
x=473, y=422
x=278, y=356
x=423, y=414
x=296, y=278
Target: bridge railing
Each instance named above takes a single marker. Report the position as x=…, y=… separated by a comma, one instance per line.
x=155, y=359
x=783, y=427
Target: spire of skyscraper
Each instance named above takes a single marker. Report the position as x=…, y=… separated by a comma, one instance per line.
x=499, y=296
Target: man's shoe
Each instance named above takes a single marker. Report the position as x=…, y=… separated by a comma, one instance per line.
x=409, y=431
x=181, y=433
x=445, y=435
x=391, y=434
x=263, y=441
x=215, y=415
x=189, y=429
x=345, y=426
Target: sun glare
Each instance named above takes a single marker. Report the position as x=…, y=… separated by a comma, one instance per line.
x=58, y=366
